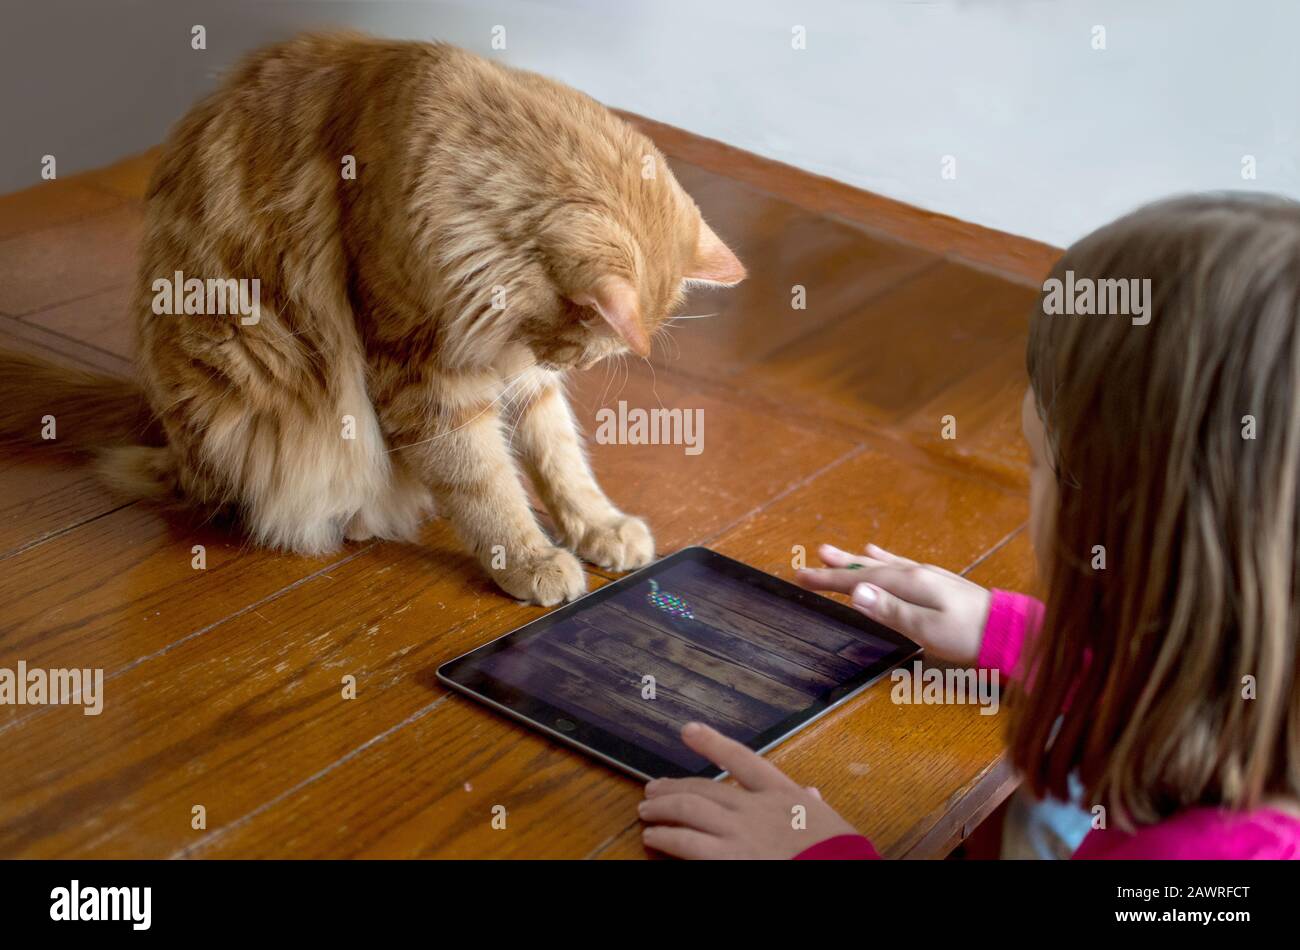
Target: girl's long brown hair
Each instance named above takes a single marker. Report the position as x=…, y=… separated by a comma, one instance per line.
x=1177, y=448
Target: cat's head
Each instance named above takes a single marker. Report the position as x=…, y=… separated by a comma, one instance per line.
x=621, y=266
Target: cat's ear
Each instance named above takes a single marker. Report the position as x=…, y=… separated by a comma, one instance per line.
x=714, y=263
x=618, y=303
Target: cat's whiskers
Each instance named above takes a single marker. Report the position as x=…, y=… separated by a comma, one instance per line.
x=505, y=392
x=654, y=382
x=609, y=378
x=512, y=410
x=623, y=365
x=662, y=333
x=515, y=402
x=667, y=325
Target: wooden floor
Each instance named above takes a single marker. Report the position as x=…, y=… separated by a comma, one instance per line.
x=223, y=686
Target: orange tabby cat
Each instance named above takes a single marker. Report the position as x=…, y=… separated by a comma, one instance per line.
x=436, y=239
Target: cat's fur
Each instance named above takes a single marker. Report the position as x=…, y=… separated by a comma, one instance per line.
x=501, y=229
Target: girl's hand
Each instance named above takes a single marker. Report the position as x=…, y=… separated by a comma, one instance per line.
x=941, y=611
x=768, y=816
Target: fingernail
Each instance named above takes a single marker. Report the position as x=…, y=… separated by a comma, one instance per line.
x=691, y=728
x=863, y=595
x=640, y=809
x=834, y=550
x=652, y=784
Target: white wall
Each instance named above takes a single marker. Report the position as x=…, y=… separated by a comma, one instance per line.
x=1050, y=136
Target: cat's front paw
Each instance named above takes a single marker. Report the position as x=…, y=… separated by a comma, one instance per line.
x=621, y=544
x=547, y=577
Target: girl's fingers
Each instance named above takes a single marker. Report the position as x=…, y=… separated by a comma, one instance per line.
x=682, y=842
x=727, y=796
x=688, y=811
x=820, y=578
x=833, y=557
x=748, y=768
x=883, y=607
x=878, y=553
x=909, y=582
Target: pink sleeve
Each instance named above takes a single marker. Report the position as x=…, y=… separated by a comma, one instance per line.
x=1012, y=618
x=840, y=848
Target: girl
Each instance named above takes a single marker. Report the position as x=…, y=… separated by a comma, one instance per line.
x=1165, y=682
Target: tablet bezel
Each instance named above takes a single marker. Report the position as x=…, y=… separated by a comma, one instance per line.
x=465, y=676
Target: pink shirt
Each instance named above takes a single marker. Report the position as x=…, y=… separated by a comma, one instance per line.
x=1194, y=833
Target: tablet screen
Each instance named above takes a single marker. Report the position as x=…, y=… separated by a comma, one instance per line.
x=697, y=637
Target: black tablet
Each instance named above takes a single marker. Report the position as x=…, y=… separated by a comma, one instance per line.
x=693, y=637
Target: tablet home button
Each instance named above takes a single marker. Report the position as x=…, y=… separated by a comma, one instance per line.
x=565, y=725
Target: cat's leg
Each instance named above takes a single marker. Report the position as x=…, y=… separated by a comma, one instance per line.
x=463, y=456
x=549, y=444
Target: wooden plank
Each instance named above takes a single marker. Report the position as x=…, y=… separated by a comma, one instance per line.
x=123, y=587
x=746, y=458
x=51, y=203
x=903, y=349
x=44, y=496
x=52, y=266
x=43, y=491
x=432, y=788
x=249, y=710
x=1013, y=257
x=16, y=334
x=805, y=273
x=985, y=410
x=931, y=514
x=102, y=320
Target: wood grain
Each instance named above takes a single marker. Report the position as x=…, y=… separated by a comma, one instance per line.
x=984, y=408
x=746, y=457
x=812, y=273
x=51, y=203
x=930, y=514
x=232, y=716
x=121, y=588
x=103, y=317
x=903, y=349
x=44, y=496
x=59, y=264
x=1015, y=258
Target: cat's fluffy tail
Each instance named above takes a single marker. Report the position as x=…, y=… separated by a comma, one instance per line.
x=77, y=411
